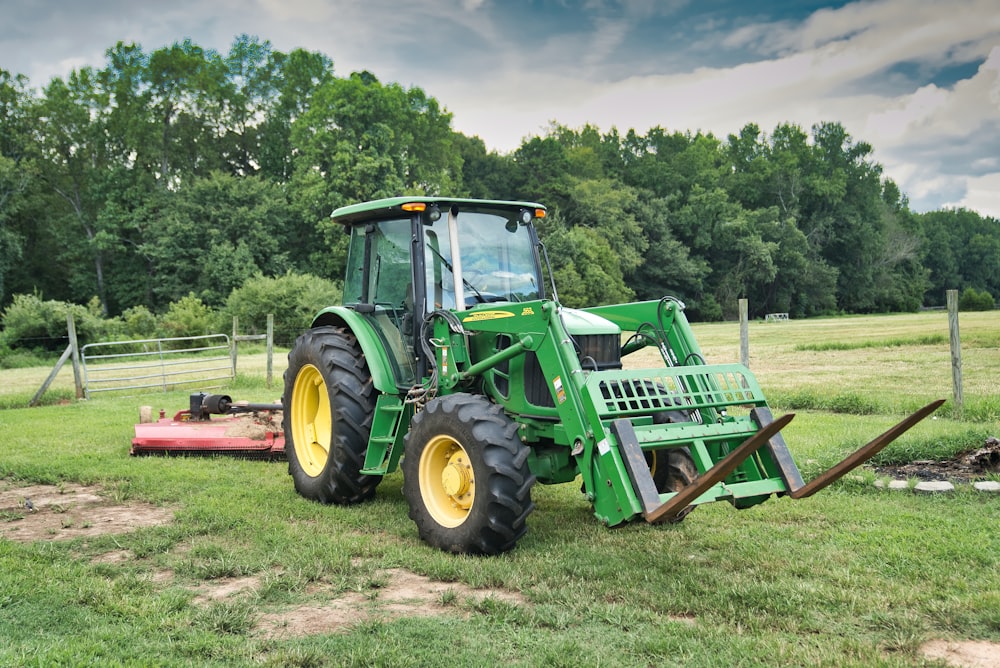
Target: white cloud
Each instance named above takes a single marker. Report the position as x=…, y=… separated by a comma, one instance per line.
x=901, y=116
x=815, y=73
x=299, y=10
x=982, y=195
x=937, y=141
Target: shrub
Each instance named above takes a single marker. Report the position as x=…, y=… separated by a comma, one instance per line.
x=189, y=316
x=705, y=309
x=139, y=322
x=293, y=299
x=30, y=322
x=973, y=300
x=21, y=359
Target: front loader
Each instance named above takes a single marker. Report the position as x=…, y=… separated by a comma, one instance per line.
x=452, y=358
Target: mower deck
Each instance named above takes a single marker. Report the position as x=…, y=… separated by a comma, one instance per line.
x=253, y=434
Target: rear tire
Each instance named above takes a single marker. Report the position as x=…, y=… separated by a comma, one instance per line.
x=329, y=402
x=672, y=469
x=466, y=476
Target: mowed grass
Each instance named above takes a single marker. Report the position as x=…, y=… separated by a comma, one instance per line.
x=869, y=364
x=854, y=576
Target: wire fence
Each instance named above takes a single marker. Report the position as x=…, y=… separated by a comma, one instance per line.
x=208, y=361
x=166, y=364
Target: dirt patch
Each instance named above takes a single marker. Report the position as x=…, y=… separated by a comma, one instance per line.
x=964, y=467
x=62, y=512
x=400, y=594
x=223, y=588
x=118, y=557
x=963, y=653
x=686, y=620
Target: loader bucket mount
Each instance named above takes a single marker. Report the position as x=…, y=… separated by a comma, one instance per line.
x=740, y=454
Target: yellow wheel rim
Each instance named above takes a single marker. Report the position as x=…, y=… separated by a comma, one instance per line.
x=311, y=420
x=447, y=482
x=652, y=459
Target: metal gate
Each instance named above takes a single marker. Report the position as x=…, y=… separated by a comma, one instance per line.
x=168, y=364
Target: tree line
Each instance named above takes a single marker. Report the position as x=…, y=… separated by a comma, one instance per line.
x=185, y=171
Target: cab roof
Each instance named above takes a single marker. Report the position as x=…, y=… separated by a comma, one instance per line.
x=393, y=206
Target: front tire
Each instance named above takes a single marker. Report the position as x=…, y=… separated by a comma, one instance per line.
x=466, y=476
x=329, y=401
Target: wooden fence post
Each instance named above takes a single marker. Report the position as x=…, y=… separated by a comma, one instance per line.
x=71, y=351
x=74, y=354
x=232, y=354
x=744, y=333
x=956, y=352
x=270, y=346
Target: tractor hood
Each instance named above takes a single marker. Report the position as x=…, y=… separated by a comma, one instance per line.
x=580, y=323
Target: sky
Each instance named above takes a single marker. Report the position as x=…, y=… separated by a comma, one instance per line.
x=919, y=80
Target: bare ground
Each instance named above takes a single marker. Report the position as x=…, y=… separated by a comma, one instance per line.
x=402, y=594
x=68, y=511
x=963, y=653
x=964, y=467
x=62, y=512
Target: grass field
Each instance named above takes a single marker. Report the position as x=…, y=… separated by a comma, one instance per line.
x=854, y=576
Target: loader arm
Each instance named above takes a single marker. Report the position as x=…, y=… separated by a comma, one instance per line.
x=606, y=416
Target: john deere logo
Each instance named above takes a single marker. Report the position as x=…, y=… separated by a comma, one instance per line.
x=479, y=316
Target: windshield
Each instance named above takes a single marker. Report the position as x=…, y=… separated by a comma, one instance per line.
x=497, y=260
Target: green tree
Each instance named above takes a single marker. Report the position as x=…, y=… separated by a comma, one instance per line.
x=541, y=171
x=215, y=234
x=131, y=135
x=361, y=140
x=611, y=210
x=586, y=272
x=186, y=87
x=13, y=183
x=16, y=170
x=72, y=155
x=297, y=76
x=961, y=251
x=485, y=174
x=804, y=284
x=248, y=89
x=668, y=267
x=842, y=210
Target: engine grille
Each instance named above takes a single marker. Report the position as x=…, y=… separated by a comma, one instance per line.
x=597, y=352
x=603, y=349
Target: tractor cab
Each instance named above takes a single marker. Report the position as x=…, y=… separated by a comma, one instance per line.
x=411, y=256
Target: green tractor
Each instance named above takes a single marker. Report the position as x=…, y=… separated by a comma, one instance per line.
x=452, y=357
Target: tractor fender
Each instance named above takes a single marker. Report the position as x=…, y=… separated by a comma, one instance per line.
x=371, y=345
